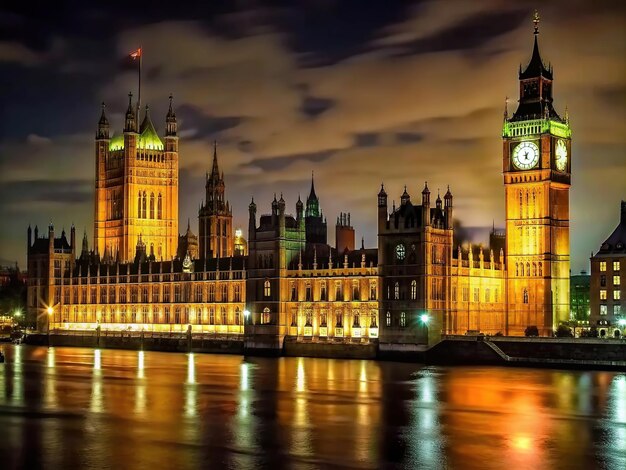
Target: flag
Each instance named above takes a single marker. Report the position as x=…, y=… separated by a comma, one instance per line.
x=136, y=54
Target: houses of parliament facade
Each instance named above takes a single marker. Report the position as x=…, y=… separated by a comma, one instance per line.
x=286, y=280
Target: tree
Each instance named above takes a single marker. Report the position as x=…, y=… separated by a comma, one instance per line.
x=531, y=330
x=564, y=331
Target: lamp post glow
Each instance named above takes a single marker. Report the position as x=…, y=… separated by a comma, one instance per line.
x=50, y=311
x=425, y=318
x=246, y=315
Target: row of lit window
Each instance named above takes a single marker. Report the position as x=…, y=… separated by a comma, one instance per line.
x=604, y=309
x=323, y=294
x=181, y=294
x=603, y=266
x=339, y=319
x=616, y=280
x=616, y=295
x=180, y=316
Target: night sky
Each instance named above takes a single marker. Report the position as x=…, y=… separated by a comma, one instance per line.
x=357, y=91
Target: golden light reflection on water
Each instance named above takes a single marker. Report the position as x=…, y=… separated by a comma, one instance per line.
x=191, y=410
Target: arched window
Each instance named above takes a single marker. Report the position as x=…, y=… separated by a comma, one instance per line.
x=159, y=207
x=224, y=316
x=139, y=205
x=144, y=203
x=152, y=205
x=402, y=319
x=237, y=316
x=237, y=293
x=267, y=290
x=528, y=269
x=413, y=289
x=266, y=317
x=396, y=291
x=357, y=320
x=540, y=269
x=534, y=269
x=211, y=316
x=211, y=292
x=225, y=293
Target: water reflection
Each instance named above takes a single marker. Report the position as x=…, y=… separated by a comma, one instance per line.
x=201, y=411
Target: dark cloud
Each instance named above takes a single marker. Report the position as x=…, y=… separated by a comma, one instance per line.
x=366, y=139
x=408, y=137
x=205, y=126
x=269, y=164
x=71, y=191
x=313, y=106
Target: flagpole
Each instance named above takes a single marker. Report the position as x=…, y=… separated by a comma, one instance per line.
x=139, y=91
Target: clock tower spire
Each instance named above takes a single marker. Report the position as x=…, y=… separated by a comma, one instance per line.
x=536, y=167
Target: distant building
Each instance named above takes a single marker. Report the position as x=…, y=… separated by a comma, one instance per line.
x=608, y=268
x=579, y=297
x=241, y=244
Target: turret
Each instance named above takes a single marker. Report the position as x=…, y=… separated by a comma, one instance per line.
x=382, y=208
x=438, y=201
x=171, y=130
x=447, y=204
x=73, y=241
x=50, y=239
x=425, y=205
x=281, y=215
x=405, y=198
x=252, y=221
x=103, y=125
x=30, y=238
x=300, y=213
x=130, y=121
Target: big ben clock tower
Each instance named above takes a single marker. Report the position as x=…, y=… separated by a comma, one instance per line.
x=536, y=164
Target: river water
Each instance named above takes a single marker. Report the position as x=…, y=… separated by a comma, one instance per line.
x=66, y=408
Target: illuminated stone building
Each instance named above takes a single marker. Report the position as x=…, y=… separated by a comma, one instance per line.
x=536, y=165
x=215, y=216
x=413, y=287
x=294, y=292
x=136, y=187
x=607, y=291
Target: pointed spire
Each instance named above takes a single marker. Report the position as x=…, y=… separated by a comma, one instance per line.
x=312, y=194
x=425, y=190
x=215, y=172
x=506, y=108
x=171, y=127
x=536, y=67
x=566, y=115
x=103, y=124
x=130, y=124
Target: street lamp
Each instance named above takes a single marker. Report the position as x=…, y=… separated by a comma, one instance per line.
x=425, y=318
x=50, y=311
x=246, y=315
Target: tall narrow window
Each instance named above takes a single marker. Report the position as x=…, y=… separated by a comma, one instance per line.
x=388, y=319
x=211, y=316
x=266, y=317
x=152, y=205
x=402, y=319
x=323, y=295
x=525, y=296
x=224, y=316
x=139, y=205
x=267, y=288
x=396, y=291
x=160, y=207
x=413, y=289
x=144, y=203
x=237, y=316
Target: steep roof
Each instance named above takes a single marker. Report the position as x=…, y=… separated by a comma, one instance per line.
x=536, y=67
x=148, y=137
x=616, y=243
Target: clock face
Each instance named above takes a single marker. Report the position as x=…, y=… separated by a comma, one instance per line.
x=400, y=251
x=561, y=155
x=525, y=155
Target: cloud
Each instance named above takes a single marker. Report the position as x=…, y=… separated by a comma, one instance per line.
x=35, y=139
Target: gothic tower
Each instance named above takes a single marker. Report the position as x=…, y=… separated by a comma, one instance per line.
x=536, y=165
x=136, y=188
x=215, y=217
x=315, y=225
